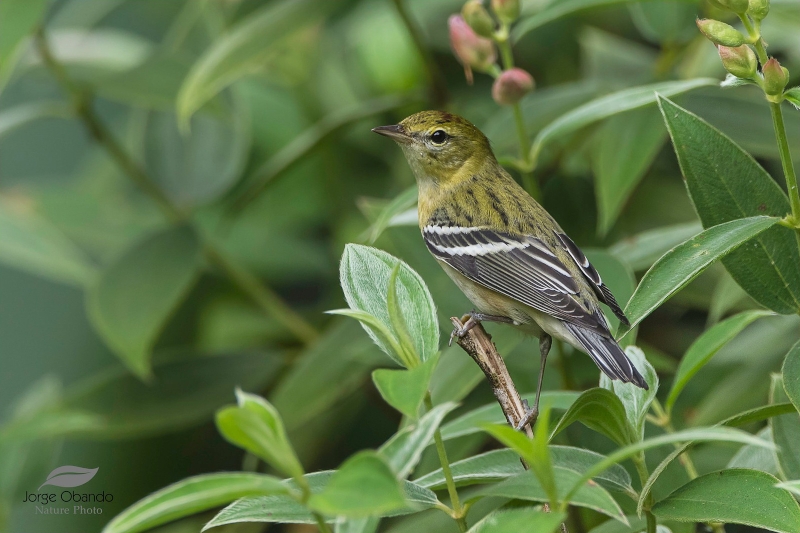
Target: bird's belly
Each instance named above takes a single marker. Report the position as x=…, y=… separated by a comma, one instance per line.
x=525, y=317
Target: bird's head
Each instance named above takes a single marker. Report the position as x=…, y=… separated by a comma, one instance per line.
x=439, y=146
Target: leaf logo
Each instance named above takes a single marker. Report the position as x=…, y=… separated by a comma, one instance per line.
x=69, y=476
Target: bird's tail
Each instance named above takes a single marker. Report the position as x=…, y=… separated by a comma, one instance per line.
x=607, y=355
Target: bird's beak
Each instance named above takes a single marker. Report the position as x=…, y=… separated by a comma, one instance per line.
x=395, y=132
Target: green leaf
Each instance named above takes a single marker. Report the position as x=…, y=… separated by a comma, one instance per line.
x=405, y=389
x=686, y=261
x=400, y=204
x=17, y=116
x=665, y=21
x=736, y=496
x=694, y=435
x=791, y=375
x=785, y=433
x=474, y=421
x=725, y=183
x=50, y=424
x=624, y=148
x=647, y=487
x=198, y=166
x=256, y=426
x=192, y=495
x=556, y=10
x=541, y=462
x=242, y=48
x=727, y=294
x=305, y=142
x=363, y=486
x=379, y=333
x=487, y=467
x=367, y=524
x=91, y=55
x=791, y=486
x=183, y=393
x=793, y=96
x=365, y=274
x=758, y=414
x=601, y=410
x=525, y=486
x=498, y=465
x=153, y=84
x=704, y=347
x=756, y=457
x=404, y=449
x=285, y=509
x=610, y=105
x=635, y=400
x=525, y=519
x=324, y=374
x=397, y=321
x=18, y=18
x=136, y=294
x=643, y=249
x=34, y=245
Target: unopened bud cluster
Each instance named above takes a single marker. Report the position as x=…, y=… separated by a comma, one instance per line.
x=474, y=37
x=737, y=56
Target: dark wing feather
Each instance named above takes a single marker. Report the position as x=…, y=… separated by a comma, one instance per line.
x=593, y=277
x=520, y=267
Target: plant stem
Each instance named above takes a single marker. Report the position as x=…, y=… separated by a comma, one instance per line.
x=755, y=34
x=664, y=421
x=507, y=57
x=260, y=294
x=652, y=527
x=786, y=162
x=321, y=523
x=439, y=93
x=448, y=474
x=641, y=469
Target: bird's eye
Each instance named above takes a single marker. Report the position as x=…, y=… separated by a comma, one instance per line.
x=438, y=137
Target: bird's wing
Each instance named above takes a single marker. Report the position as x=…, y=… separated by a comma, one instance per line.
x=523, y=268
x=593, y=277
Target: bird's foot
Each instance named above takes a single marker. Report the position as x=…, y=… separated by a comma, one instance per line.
x=473, y=319
x=531, y=414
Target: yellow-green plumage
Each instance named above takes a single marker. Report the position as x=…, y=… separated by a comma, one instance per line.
x=505, y=252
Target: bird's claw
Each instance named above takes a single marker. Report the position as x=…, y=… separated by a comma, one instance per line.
x=530, y=416
x=457, y=332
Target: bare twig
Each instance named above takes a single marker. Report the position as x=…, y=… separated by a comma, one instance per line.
x=478, y=345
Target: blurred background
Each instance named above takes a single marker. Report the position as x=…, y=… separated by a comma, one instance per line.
x=178, y=179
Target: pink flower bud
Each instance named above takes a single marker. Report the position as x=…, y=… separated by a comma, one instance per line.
x=506, y=10
x=739, y=61
x=775, y=77
x=511, y=86
x=472, y=50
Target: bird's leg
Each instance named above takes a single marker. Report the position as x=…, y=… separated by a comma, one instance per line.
x=476, y=318
x=545, y=341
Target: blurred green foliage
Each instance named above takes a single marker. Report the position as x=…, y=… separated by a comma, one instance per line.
x=187, y=242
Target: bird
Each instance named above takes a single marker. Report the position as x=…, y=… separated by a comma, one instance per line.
x=505, y=252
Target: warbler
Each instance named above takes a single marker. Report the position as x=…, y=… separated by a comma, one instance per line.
x=504, y=250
